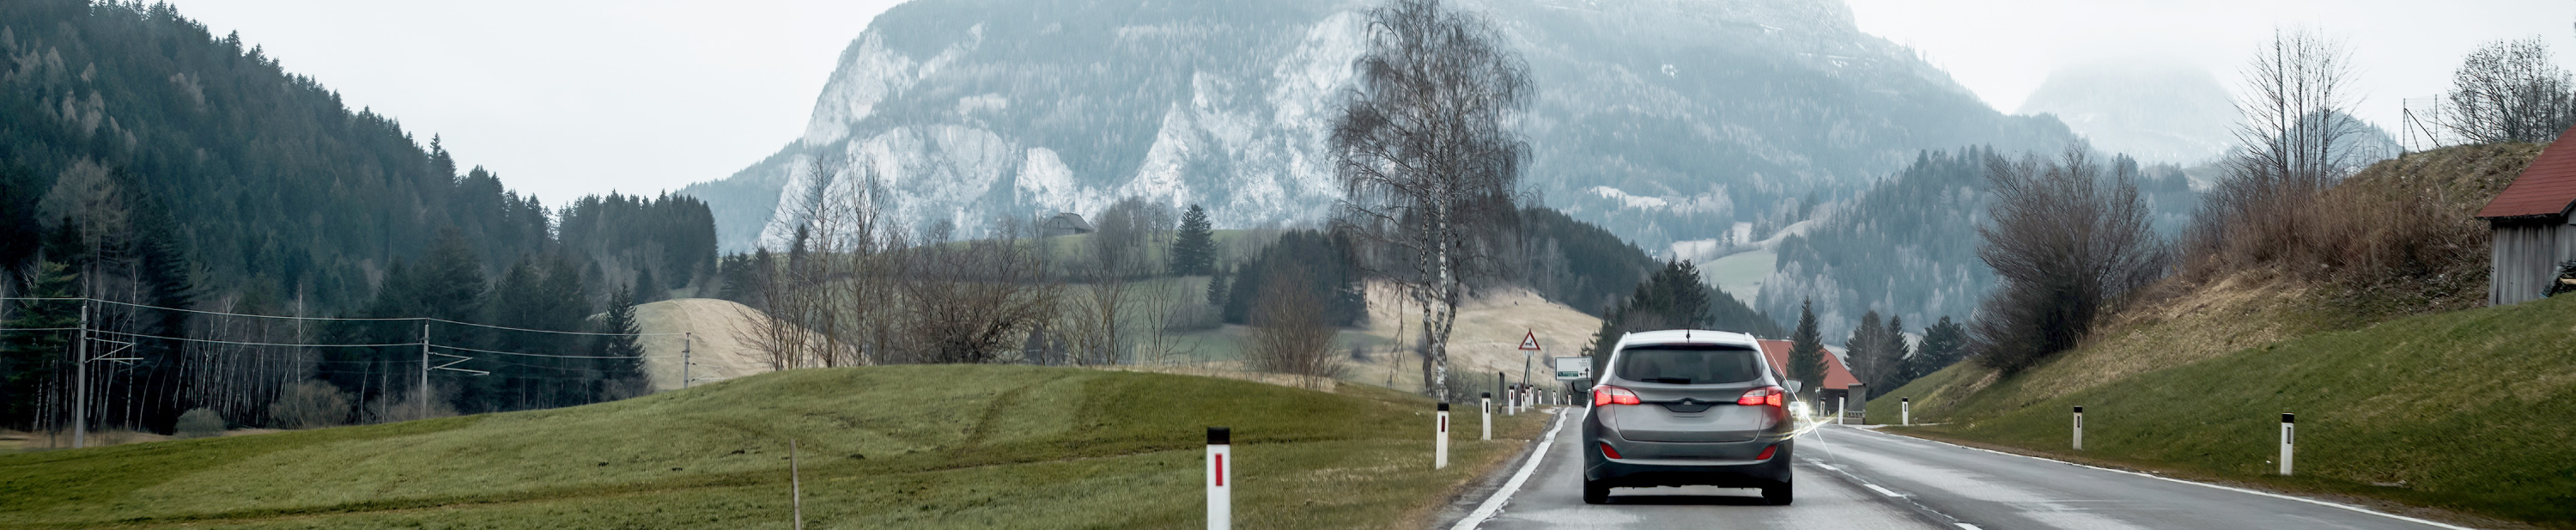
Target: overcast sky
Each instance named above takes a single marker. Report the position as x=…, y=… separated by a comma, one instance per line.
x=566, y=98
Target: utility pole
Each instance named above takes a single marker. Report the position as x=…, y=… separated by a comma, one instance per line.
x=80, y=382
x=424, y=369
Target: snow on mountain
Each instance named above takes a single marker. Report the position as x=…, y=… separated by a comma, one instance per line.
x=1662, y=120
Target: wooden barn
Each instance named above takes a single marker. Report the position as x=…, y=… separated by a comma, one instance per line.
x=2531, y=225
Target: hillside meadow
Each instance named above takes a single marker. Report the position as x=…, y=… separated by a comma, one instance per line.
x=925, y=446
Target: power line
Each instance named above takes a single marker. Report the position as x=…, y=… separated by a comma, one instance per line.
x=279, y=317
x=548, y=331
x=462, y=348
x=237, y=343
x=357, y=319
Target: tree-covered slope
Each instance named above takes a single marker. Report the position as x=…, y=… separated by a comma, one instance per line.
x=146, y=160
x=1908, y=246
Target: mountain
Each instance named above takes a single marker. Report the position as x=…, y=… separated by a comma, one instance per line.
x=1660, y=120
x=2159, y=112
x=1907, y=247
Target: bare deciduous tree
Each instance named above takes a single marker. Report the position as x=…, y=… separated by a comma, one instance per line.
x=1429, y=165
x=2510, y=91
x=309, y=404
x=974, y=301
x=2298, y=138
x=1289, y=334
x=2067, y=245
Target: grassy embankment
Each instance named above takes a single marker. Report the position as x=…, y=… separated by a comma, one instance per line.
x=880, y=447
x=2468, y=410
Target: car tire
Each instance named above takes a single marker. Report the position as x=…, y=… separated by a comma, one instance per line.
x=1777, y=495
x=1594, y=492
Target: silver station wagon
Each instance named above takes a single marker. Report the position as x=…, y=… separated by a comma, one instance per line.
x=1688, y=408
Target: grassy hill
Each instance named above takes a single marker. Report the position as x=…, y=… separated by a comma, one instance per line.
x=938, y=446
x=2401, y=395
x=2467, y=410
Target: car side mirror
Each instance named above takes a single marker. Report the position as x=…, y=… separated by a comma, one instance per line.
x=1795, y=386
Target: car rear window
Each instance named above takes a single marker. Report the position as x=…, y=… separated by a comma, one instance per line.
x=1689, y=364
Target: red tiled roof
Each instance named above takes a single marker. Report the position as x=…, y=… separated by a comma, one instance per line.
x=2545, y=188
x=1835, y=375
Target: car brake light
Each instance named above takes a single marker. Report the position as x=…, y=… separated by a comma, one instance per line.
x=1611, y=395
x=1769, y=395
x=1613, y=453
x=1766, y=452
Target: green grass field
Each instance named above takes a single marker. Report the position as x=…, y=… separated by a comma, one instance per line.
x=2470, y=411
x=940, y=446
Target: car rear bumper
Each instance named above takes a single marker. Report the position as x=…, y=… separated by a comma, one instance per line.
x=1642, y=472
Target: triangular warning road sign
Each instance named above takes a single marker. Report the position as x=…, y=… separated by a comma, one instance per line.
x=1529, y=342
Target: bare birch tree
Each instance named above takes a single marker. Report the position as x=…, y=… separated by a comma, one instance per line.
x=1429, y=165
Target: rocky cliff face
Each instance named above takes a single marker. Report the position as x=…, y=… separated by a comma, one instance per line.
x=1662, y=120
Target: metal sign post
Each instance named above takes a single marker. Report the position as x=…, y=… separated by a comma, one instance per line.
x=1529, y=356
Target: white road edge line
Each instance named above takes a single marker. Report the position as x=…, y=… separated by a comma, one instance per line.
x=1966, y=526
x=2201, y=484
x=1494, y=504
x=1881, y=491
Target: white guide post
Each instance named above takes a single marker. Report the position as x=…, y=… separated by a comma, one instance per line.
x=1440, y=444
x=2079, y=427
x=1220, y=479
x=2289, y=439
x=1905, y=410
x=1487, y=411
x=687, y=339
x=1838, y=411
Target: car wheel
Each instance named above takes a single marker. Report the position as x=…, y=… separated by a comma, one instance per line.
x=1777, y=495
x=1595, y=493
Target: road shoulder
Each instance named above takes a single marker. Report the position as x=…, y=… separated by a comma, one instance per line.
x=2370, y=504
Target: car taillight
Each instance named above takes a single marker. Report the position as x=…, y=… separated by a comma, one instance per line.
x=1769, y=395
x=1608, y=452
x=1611, y=395
x=1766, y=452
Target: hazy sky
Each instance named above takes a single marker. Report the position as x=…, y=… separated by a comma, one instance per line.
x=568, y=98
x=565, y=98
x=2003, y=49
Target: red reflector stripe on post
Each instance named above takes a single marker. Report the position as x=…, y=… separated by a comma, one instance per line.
x=1220, y=470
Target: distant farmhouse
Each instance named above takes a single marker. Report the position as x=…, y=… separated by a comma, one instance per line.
x=1064, y=224
x=2531, y=225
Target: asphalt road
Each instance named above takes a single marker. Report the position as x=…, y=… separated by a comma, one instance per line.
x=1849, y=477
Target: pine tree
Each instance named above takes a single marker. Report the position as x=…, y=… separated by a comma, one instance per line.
x=1194, y=248
x=623, y=375
x=1898, y=352
x=1867, y=350
x=1216, y=288
x=1943, y=344
x=29, y=358
x=1807, y=350
x=646, y=288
